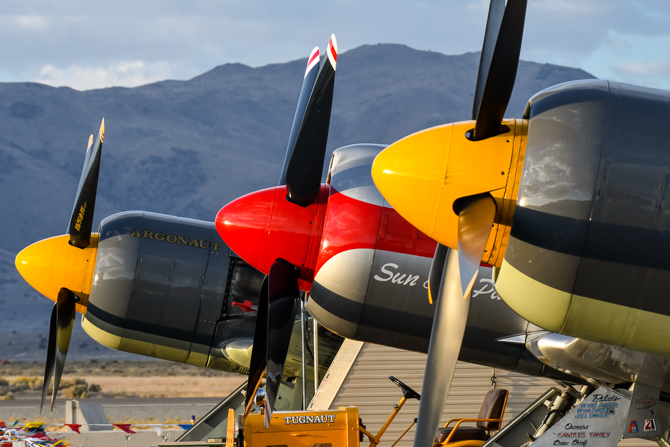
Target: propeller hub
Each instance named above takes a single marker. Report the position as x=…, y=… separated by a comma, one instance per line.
x=424, y=175
x=52, y=264
x=263, y=226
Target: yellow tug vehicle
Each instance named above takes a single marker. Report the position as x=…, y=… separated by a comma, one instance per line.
x=333, y=428
x=330, y=428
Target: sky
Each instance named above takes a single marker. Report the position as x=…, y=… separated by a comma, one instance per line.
x=88, y=44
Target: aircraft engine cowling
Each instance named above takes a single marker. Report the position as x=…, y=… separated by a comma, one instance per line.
x=362, y=294
x=377, y=291
x=164, y=286
x=587, y=253
x=363, y=290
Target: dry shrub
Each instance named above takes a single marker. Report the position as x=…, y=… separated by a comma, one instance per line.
x=26, y=384
x=4, y=388
x=78, y=388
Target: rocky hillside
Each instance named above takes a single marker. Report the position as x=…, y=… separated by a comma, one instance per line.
x=189, y=147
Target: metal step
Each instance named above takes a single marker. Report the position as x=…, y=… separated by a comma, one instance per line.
x=213, y=425
x=520, y=429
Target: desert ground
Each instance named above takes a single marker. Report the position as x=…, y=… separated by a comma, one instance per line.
x=121, y=378
x=97, y=379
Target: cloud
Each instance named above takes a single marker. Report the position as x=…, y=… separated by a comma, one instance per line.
x=125, y=73
x=651, y=68
x=571, y=7
x=597, y=35
x=653, y=73
x=31, y=22
x=74, y=36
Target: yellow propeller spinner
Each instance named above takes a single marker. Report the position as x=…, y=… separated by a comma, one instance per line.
x=425, y=174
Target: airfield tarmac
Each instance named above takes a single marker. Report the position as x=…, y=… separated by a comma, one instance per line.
x=155, y=410
x=148, y=410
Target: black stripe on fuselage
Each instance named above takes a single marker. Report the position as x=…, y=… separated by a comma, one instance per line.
x=115, y=325
x=409, y=331
x=614, y=263
x=616, y=243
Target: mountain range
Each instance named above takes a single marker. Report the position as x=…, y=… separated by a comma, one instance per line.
x=189, y=147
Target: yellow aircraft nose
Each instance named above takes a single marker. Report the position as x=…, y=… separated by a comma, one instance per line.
x=410, y=175
x=51, y=264
x=424, y=175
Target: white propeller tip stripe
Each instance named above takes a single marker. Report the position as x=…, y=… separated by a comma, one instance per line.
x=332, y=51
x=90, y=143
x=313, y=60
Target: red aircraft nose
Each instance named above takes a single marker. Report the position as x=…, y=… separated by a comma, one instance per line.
x=263, y=226
x=244, y=225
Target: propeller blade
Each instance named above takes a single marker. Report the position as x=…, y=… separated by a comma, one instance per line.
x=436, y=272
x=66, y=315
x=497, y=66
x=258, y=352
x=311, y=73
x=475, y=219
x=81, y=220
x=51, y=353
x=451, y=314
x=60, y=332
x=493, y=22
x=305, y=162
x=282, y=298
